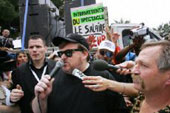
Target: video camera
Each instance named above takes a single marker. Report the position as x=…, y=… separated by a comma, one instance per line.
x=6, y=42
x=143, y=31
x=140, y=31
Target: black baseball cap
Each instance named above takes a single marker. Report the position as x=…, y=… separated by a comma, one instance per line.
x=75, y=38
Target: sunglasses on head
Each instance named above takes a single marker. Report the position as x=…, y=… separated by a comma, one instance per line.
x=68, y=52
x=107, y=53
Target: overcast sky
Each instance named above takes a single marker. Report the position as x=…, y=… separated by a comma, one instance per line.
x=151, y=12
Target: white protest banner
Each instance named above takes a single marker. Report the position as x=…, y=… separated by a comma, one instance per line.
x=89, y=21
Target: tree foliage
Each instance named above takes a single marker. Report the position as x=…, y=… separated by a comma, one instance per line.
x=122, y=21
x=58, y=3
x=164, y=30
x=8, y=12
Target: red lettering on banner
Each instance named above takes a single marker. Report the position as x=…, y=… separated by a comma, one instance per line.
x=100, y=39
x=94, y=41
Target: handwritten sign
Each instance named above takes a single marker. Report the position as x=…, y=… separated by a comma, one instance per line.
x=89, y=21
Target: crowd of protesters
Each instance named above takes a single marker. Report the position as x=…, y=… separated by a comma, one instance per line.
x=140, y=85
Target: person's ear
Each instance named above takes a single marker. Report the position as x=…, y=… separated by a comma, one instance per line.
x=85, y=54
x=168, y=80
x=46, y=49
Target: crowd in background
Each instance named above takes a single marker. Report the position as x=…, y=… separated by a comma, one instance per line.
x=23, y=71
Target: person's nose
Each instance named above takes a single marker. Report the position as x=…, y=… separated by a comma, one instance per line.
x=63, y=56
x=135, y=70
x=104, y=55
x=22, y=58
x=34, y=49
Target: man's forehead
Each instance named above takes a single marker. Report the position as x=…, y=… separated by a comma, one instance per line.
x=149, y=53
x=6, y=31
x=35, y=41
x=152, y=50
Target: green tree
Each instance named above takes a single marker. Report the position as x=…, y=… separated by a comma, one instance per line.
x=164, y=30
x=122, y=21
x=60, y=5
x=7, y=13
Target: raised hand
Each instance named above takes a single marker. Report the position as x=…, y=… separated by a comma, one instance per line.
x=16, y=94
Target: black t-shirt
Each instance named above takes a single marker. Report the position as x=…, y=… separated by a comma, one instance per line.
x=70, y=96
x=24, y=77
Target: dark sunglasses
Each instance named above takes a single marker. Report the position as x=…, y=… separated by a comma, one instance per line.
x=68, y=52
x=107, y=53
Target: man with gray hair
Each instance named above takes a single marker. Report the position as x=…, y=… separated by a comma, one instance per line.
x=5, y=33
x=151, y=76
x=5, y=40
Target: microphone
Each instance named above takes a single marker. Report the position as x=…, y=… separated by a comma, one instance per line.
x=78, y=74
x=56, y=68
x=101, y=65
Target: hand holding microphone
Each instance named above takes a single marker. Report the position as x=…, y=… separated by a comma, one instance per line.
x=126, y=67
x=95, y=83
x=44, y=86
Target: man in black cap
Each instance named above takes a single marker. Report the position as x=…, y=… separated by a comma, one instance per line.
x=65, y=93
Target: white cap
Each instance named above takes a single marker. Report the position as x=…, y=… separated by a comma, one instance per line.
x=108, y=45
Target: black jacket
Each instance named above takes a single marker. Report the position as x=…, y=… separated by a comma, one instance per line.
x=70, y=96
x=24, y=77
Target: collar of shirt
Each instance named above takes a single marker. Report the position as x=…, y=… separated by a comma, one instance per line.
x=34, y=68
x=38, y=73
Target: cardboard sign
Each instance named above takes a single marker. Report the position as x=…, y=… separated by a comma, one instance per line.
x=89, y=21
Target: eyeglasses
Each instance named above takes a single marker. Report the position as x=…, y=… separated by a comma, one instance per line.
x=68, y=52
x=107, y=53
